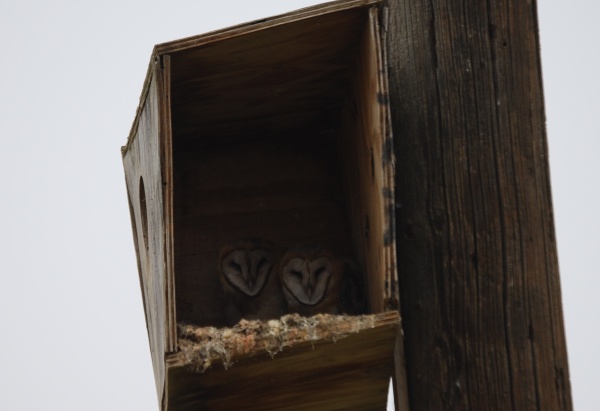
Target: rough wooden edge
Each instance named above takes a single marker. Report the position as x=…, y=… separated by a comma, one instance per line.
x=136, y=246
x=166, y=155
x=388, y=161
x=138, y=112
x=261, y=24
x=200, y=348
x=378, y=20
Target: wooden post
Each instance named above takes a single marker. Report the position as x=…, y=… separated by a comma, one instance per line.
x=477, y=263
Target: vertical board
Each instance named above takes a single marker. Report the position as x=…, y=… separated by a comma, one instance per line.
x=392, y=293
x=387, y=161
x=143, y=175
x=166, y=141
x=365, y=141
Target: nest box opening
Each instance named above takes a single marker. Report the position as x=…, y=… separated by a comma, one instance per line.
x=144, y=213
x=278, y=134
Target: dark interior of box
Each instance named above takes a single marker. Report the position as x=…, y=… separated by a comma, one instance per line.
x=258, y=131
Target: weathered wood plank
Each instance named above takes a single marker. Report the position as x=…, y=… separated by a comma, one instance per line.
x=318, y=363
x=368, y=170
x=480, y=290
x=166, y=155
x=142, y=164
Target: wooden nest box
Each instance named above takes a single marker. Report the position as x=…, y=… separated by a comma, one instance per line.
x=277, y=129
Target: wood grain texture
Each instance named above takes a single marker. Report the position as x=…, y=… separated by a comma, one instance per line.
x=342, y=364
x=480, y=291
x=166, y=156
x=367, y=172
x=142, y=164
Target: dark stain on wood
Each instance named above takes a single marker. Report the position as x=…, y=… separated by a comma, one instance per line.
x=383, y=98
x=476, y=244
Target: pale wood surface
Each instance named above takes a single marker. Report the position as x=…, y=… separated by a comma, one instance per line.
x=479, y=281
x=365, y=141
x=142, y=163
x=344, y=365
x=166, y=155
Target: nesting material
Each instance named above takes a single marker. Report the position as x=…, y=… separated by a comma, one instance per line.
x=321, y=363
x=201, y=347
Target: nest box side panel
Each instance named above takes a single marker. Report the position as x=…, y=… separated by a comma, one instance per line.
x=387, y=161
x=368, y=170
x=143, y=176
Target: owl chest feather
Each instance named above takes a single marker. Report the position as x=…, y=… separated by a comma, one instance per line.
x=329, y=304
x=265, y=305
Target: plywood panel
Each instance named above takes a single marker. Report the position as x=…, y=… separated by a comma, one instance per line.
x=143, y=177
x=166, y=156
x=368, y=171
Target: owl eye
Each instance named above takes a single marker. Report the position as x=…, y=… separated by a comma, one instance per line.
x=235, y=266
x=319, y=272
x=261, y=263
x=296, y=274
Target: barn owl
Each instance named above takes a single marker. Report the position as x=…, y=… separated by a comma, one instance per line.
x=248, y=277
x=315, y=281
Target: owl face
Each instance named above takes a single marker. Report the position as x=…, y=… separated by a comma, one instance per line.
x=306, y=277
x=246, y=266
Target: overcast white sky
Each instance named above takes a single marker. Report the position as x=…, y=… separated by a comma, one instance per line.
x=71, y=315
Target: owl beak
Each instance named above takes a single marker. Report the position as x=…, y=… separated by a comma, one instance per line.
x=247, y=278
x=310, y=288
x=306, y=286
